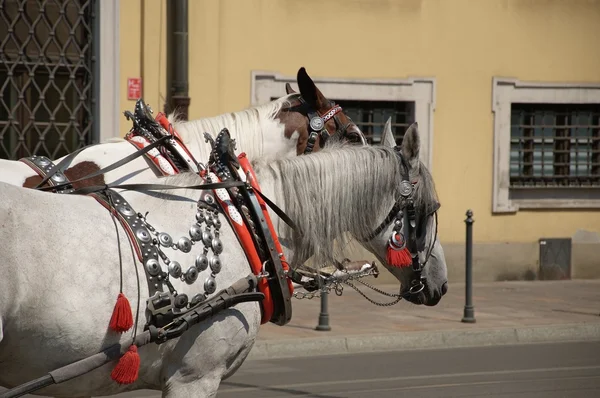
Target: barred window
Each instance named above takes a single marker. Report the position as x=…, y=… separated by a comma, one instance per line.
x=370, y=117
x=46, y=75
x=555, y=145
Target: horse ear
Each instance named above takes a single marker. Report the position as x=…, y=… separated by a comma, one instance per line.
x=411, y=143
x=289, y=89
x=387, y=138
x=311, y=94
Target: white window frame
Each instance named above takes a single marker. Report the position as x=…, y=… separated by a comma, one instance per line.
x=420, y=90
x=109, y=70
x=506, y=91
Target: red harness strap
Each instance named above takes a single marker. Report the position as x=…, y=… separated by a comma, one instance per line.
x=245, y=239
x=245, y=164
x=162, y=163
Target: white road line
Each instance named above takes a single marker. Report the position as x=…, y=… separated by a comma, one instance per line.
x=407, y=378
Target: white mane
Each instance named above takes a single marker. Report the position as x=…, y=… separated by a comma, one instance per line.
x=247, y=127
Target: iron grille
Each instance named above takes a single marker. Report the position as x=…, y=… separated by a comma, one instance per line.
x=46, y=76
x=370, y=117
x=555, y=145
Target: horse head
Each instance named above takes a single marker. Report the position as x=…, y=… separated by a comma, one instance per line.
x=315, y=118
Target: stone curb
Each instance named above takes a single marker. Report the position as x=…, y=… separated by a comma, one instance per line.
x=332, y=345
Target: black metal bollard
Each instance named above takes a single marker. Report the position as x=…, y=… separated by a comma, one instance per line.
x=324, y=315
x=469, y=313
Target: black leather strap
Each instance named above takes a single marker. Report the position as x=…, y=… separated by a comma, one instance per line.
x=113, y=166
x=157, y=187
x=215, y=185
x=59, y=167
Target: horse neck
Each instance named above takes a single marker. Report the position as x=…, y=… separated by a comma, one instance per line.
x=330, y=195
x=257, y=132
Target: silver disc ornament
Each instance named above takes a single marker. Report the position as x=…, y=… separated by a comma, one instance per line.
x=175, y=269
x=165, y=239
x=215, y=264
x=405, y=188
x=317, y=123
x=207, y=238
x=196, y=232
x=191, y=275
x=217, y=246
x=202, y=262
x=152, y=266
x=184, y=244
x=143, y=235
x=210, y=285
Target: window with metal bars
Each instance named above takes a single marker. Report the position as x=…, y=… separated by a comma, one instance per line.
x=370, y=116
x=46, y=74
x=555, y=145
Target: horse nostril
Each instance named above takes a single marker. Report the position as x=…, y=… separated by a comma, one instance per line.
x=444, y=288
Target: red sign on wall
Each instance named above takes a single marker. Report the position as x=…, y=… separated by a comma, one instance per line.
x=134, y=88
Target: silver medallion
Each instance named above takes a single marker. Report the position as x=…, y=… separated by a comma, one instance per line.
x=184, y=244
x=208, y=198
x=405, y=188
x=202, y=262
x=42, y=161
x=196, y=232
x=207, y=238
x=217, y=246
x=165, y=239
x=397, y=241
x=153, y=267
x=191, y=275
x=174, y=269
x=209, y=220
x=200, y=217
x=215, y=264
x=210, y=285
x=126, y=210
x=58, y=177
x=317, y=123
x=143, y=235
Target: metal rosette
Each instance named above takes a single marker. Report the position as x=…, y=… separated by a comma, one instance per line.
x=42, y=165
x=406, y=188
x=316, y=123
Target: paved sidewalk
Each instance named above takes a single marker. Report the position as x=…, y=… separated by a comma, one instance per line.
x=505, y=313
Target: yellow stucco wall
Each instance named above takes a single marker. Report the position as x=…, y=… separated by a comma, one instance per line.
x=462, y=43
x=143, y=53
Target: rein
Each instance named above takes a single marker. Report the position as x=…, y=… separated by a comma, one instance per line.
x=213, y=185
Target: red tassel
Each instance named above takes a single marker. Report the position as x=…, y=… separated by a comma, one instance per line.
x=126, y=371
x=122, y=318
x=399, y=258
x=395, y=257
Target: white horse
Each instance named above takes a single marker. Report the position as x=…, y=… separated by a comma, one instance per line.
x=272, y=130
x=60, y=266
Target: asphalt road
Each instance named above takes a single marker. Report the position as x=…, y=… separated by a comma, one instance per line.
x=548, y=370
x=525, y=371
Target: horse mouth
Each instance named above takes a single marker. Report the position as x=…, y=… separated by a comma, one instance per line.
x=421, y=298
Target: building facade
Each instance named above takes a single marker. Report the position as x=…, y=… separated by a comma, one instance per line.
x=506, y=94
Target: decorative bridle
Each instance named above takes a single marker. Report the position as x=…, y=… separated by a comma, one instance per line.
x=403, y=247
x=317, y=124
